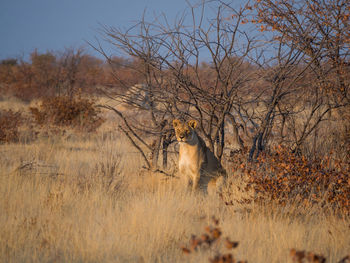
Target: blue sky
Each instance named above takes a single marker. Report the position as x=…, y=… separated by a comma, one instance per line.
x=52, y=25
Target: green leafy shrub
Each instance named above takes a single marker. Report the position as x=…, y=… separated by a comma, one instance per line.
x=64, y=111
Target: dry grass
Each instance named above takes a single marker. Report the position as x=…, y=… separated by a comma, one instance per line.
x=84, y=199
x=76, y=200
x=16, y=104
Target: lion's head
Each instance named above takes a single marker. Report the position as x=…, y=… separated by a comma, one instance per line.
x=184, y=131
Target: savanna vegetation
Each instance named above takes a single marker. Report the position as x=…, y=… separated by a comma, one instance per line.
x=88, y=159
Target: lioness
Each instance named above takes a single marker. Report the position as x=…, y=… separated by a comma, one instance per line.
x=197, y=164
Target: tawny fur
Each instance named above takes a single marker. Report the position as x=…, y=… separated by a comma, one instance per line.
x=197, y=164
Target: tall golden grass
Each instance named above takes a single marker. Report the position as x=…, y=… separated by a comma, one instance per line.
x=84, y=198
x=76, y=199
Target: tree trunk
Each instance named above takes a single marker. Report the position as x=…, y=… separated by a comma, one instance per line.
x=221, y=142
x=155, y=152
x=237, y=141
x=165, y=153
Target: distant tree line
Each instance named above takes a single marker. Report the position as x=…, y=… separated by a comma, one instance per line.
x=61, y=73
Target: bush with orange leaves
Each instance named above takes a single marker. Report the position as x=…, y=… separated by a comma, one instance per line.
x=300, y=256
x=283, y=176
x=76, y=112
x=9, y=122
x=212, y=238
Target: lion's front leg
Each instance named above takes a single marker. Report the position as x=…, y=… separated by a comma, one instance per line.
x=195, y=180
x=187, y=181
x=185, y=177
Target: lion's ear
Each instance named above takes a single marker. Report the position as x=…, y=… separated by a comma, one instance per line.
x=176, y=123
x=192, y=124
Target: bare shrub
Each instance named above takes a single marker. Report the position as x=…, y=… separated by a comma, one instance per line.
x=76, y=112
x=176, y=82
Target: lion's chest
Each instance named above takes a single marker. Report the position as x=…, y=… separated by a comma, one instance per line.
x=189, y=159
x=185, y=163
